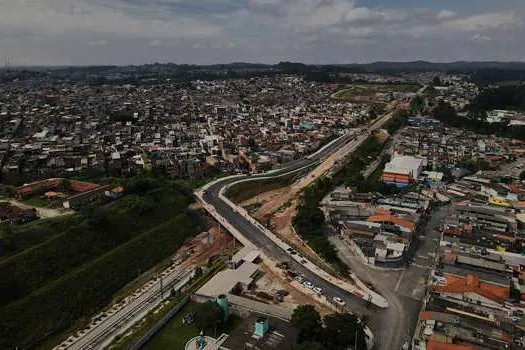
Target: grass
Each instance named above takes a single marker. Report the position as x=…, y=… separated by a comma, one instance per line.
x=175, y=334
x=365, y=90
x=37, y=201
x=141, y=328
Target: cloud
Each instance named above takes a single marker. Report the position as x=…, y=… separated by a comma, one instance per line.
x=479, y=37
x=209, y=31
x=98, y=43
x=368, y=15
x=55, y=17
x=493, y=20
x=446, y=15
x=155, y=43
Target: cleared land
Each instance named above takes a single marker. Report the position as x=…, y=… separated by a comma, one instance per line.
x=369, y=92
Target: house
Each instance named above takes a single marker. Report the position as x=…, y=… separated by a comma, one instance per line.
x=472, y=290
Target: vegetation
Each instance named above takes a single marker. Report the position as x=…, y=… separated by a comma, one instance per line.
x=176, y=333
x=502, y=97
x=15, y=239
x=339, y=332
x=76, y=272
x=476, y=122
x=309, y=221
x=307, y=321
x=417, y=104
x=207, y=316
x=249, y=189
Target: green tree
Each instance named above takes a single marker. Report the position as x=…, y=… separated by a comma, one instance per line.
x=307, y=321
x=309, y=345
x=417, y=104
x=198, y=272
x=65, y=185
x=207, y=315
x=522, y=175
x=515, y=294
x=342, y=331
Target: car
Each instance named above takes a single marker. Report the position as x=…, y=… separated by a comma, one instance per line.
x=303, y=261
x=318, y=290
x=339, y=301
x=308, y=284
x=299, y=279
x=514, y=319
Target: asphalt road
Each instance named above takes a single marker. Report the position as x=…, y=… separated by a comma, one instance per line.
x=403, y=288
x=272, y=250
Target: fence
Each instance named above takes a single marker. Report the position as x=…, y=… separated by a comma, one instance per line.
x=161, y=323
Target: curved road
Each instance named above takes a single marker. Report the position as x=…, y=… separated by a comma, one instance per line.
x=211, y=195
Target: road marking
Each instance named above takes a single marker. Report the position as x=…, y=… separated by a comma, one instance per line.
x=422, y=256
x=399, y=280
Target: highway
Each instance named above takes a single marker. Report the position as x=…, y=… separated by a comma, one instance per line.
x=249, y=232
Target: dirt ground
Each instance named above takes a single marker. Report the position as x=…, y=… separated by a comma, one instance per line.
x=43, y=213
x=203, y=247
x=272, y=280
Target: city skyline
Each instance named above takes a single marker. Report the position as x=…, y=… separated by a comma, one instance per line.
x=58, y=32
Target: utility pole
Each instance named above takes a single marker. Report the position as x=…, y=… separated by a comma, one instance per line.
x=161, y=288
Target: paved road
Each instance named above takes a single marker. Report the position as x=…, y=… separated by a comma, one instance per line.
x=403, y=288
x=254, y=234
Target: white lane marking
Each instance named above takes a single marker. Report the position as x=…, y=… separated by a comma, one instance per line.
x=399, y=280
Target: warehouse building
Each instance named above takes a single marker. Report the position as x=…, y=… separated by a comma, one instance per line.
x=403, y=171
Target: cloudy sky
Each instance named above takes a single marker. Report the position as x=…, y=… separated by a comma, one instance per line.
x=82, y=32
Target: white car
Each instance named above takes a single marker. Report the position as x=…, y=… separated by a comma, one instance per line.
x=339, y=301
x=308, y=284
x=318, y=290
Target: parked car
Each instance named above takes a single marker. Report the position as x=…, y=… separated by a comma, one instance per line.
x=318, y=290
x=308, y=284
x=299, y=279
x=339, y=301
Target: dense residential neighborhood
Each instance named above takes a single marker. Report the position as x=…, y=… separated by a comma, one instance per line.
x=262, y=207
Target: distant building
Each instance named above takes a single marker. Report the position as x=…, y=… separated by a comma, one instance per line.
x=402, y=171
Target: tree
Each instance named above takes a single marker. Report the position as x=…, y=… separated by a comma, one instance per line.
x=342, y=331
x=207, y=315
x=417, y=103
x=65, y=185
x=307, y=321
x=436, y=81
x=522, y=175
x=515, y=294
x=309, y=345
x=198, y=272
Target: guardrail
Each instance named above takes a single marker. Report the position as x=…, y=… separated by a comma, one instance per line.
x=368, y=294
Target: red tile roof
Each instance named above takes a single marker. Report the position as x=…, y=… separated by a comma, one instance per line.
x=393, y=219
x=472, y=284
x=435, y=345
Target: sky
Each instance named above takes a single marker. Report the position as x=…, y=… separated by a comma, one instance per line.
x=122, y=32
